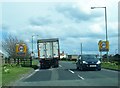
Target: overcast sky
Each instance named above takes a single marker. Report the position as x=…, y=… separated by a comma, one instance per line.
x=72, y=21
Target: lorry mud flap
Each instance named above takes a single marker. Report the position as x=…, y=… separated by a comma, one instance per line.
x=55, y=63
x=45, y=64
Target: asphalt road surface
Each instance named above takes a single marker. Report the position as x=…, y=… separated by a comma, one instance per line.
x=67, y=75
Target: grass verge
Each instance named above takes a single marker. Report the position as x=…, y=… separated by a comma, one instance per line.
x=35, y=62
x=13, y=74
x=109, y=65
x=0, y=75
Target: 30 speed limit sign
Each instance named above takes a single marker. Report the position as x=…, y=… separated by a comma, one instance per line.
x=21, y=49
x=103, y=46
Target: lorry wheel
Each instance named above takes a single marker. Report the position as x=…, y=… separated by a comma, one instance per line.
x=41, y=67
x=53, y=66
x=81, y=68
x=57, y=65
x=77, y=68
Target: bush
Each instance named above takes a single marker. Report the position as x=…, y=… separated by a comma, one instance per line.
x=35, y=67
x=64, y=59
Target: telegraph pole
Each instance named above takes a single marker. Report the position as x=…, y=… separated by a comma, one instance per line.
x=81, y=48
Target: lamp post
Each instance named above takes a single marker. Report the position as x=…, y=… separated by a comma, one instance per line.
x=32, y=41
x=81, y=49
x=116, y=51
x=105, y=23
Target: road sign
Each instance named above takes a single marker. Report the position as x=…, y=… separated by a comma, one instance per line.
x=103, y=45
x=21, y=49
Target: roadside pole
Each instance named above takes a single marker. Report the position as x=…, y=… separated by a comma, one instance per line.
x=81, y=48
x=31, y=58
x=21, y=50
x=101, y=56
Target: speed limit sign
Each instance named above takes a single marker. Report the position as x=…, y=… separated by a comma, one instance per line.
x=21, y=49
x=103, y=45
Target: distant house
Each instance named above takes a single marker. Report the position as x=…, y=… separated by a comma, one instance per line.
x=1, y=55
x=63, y=55
x=2, y=58
x=73, y=57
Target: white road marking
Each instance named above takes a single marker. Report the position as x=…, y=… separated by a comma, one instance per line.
x=31, y=74
x=109, y=70
x=21, y=78
x=57, y=68
x=51, y=69
x=60, y=66
x=81, y=77
x=72, y=71
x=37, y=70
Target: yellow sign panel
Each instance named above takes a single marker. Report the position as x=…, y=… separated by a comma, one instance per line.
x=107, y=45
x=100, y=45
x=103, y=45
x=21, y=49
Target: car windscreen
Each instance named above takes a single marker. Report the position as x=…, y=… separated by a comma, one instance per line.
x=89, y=57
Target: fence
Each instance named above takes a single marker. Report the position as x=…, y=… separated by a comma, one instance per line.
x=18, y=61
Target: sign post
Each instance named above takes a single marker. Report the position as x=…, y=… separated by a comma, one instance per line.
x=21, y=50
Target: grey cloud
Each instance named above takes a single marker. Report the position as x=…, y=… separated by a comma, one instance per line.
x=75, y=13
x=40, y=21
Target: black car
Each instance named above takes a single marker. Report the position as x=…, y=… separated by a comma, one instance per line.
x=88, y=62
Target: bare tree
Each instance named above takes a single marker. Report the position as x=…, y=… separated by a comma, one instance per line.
x=9, y=45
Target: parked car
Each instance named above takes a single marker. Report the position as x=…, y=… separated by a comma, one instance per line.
x=87, y=62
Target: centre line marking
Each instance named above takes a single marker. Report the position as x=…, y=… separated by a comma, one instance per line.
x=72, y=71
x=60, y=65
x=81, y=77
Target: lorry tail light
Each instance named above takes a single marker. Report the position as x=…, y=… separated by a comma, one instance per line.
x=41, y=62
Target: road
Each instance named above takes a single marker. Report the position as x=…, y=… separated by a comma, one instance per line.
x=67, y=75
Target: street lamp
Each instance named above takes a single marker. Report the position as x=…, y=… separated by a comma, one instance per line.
x=105, y=22
x=105, y=19
x=81, y=49
x=32, y=41
x=116, y=51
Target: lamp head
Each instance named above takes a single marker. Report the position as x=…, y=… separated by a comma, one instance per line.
x=92, y=7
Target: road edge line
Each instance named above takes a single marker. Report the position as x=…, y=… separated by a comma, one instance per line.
x=30, y=74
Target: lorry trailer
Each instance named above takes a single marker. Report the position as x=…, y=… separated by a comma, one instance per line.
x=48, y=52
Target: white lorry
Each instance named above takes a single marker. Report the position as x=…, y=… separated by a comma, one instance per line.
x=48, y=52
